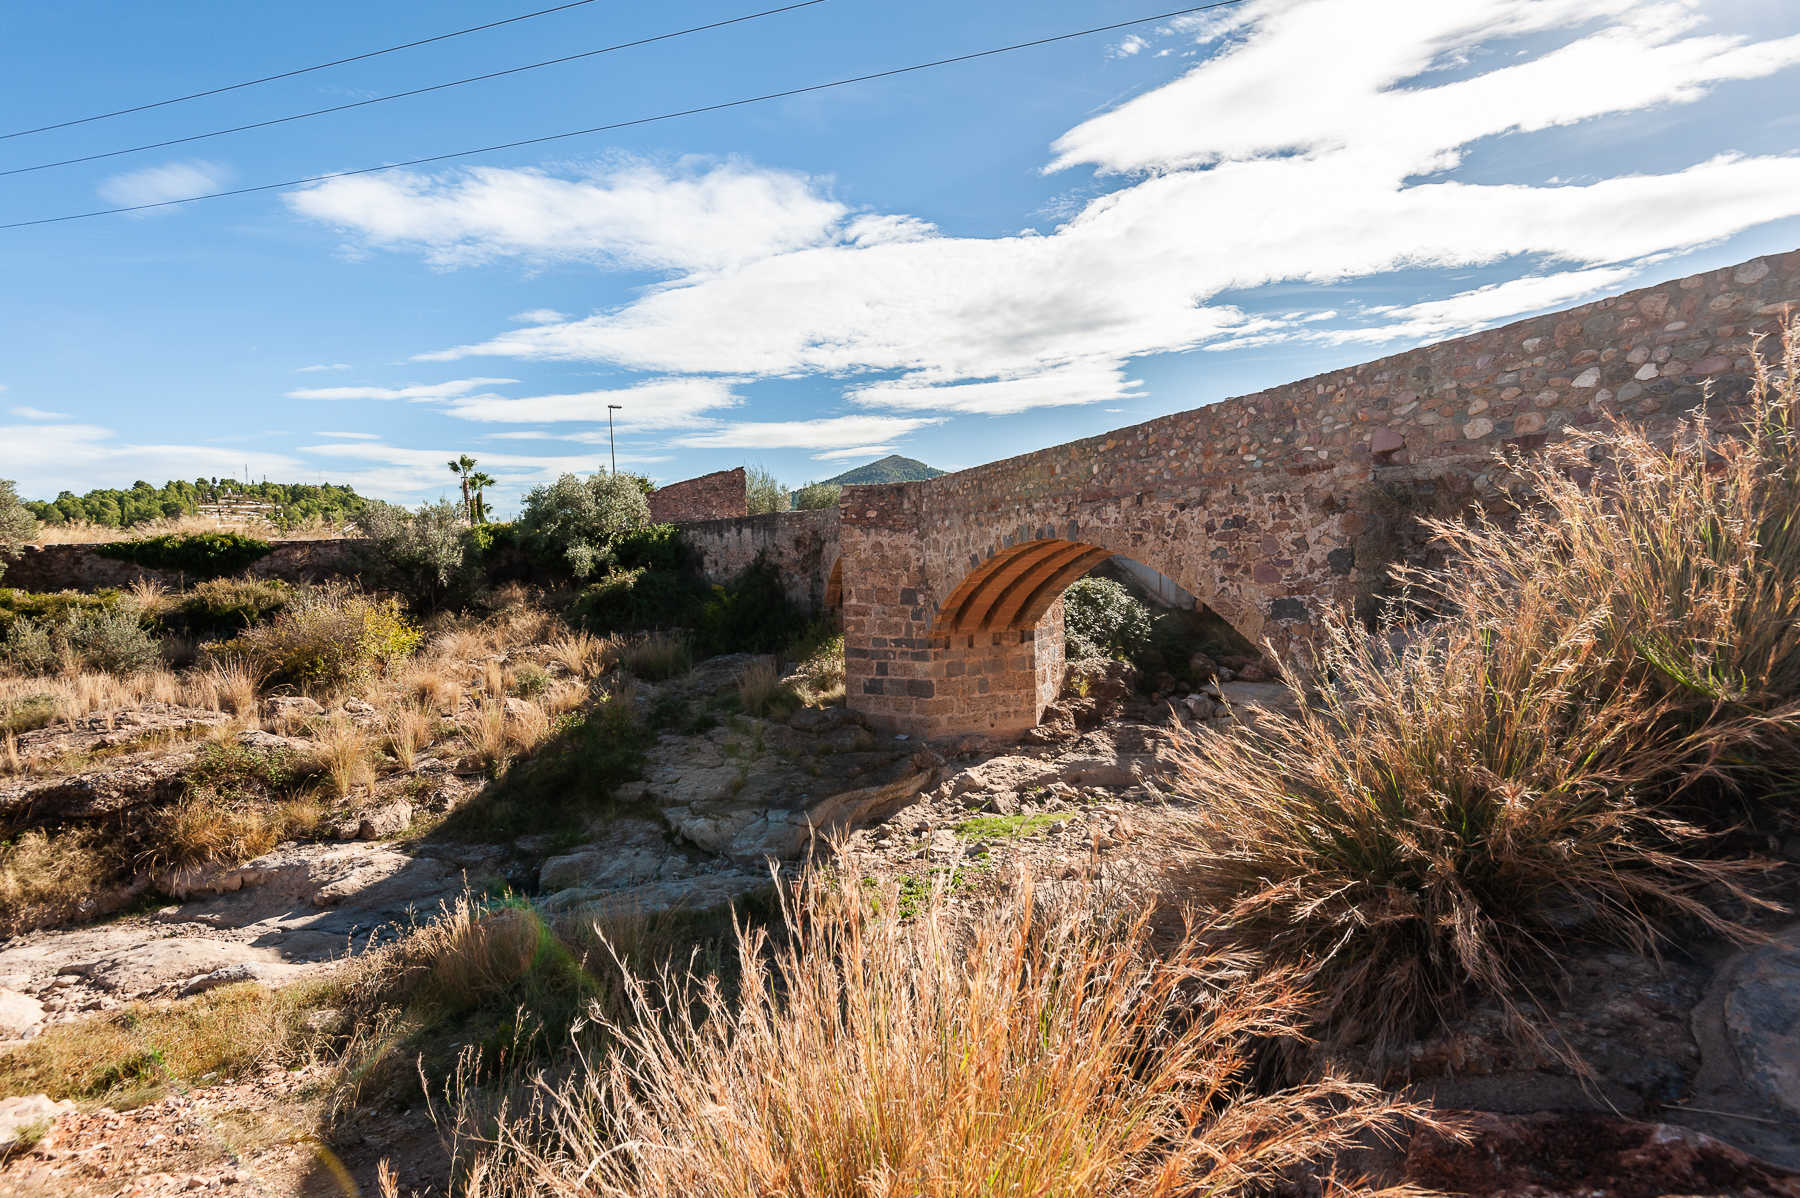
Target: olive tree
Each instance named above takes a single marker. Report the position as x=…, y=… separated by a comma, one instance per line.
x=574, y=521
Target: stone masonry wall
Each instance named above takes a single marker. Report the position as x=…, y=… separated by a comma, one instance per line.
x=81, y=568
x=720, y=496
x=803, y=547
x=1258, y=504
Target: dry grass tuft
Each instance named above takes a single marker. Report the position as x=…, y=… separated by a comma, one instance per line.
x=655, y=656
x=46, y=878
x=760, y=689
x=1546, y=757
x=344, y=753
x=493, y=680
x=224, y=686
x=583, y=654
x=410, y=728
x=433, y=687
x=1054, y=1054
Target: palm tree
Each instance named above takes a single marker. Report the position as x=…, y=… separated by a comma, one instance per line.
x=463, y=466
x=479, y=482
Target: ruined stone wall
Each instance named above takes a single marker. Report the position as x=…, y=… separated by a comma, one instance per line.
x=803, y=547
x=720, y=496
x=82, y=568
x=1259, y=504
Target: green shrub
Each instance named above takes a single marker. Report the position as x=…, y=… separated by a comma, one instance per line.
x=328, y=640
x=224, y=607
x=572, y=523
x=199, y=555
x=17, y=524
x=763, y=492
x=50, y=607
x=814, y=496
x=1101, y=618
x=107, y=637
x=751, y=614
x=658, y=547
x=639, y=599
x=419, y=553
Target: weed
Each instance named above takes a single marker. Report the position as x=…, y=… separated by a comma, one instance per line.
x=1009, y=827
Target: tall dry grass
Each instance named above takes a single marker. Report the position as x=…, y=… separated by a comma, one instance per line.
x=584, y=655
x=1546, y=759
x=1021, y=1052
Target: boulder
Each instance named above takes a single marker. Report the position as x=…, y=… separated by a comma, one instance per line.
x=26, y=1120
x=389, y=819
x=20, y=1014
x=291, y=708
x=1577, y=1155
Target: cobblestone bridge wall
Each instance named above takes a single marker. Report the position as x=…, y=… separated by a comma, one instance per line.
x=1260, y=504
x=802, y=546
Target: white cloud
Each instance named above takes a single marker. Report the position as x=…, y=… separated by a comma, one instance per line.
x=161, y=184
x=29, y=413
x=1317, y=146
x=1482, y=306
x=1126, y=47
x=632, y=214
x=323, y=367
x=1077, y=383
x=352, y=436
x=537, y=316
x=403, y=473
x=417, y=393
x=655, y=404
x=43, y=458
x=833, y=432
x=855, y=451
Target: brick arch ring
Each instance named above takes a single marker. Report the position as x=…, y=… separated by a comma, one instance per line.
x=1014, y=588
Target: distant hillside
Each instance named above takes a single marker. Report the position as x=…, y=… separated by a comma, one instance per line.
x=891, y=469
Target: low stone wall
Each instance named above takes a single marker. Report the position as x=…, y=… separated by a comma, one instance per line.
x=723, y=495
x=803, y=546
x=84, y=568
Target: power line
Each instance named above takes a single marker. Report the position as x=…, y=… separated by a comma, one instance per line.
x=336, y=62
x=645, y=120
x=417, y=91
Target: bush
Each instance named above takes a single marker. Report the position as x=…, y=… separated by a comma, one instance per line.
x=572, y=523
x=814, y=496
x=659, y=547
x=1057, y=1056
x=751, y=614
x=639, y=599
x=328, y=640
x=421, y=553
x=223, y=607
x=17, y=524
x=108, y=638
x=199, y=555
x=1101, y=618
x=50, y=607
x=1463, y=796
x=763, y=492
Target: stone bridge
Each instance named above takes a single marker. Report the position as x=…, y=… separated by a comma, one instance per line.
x=1273, y=508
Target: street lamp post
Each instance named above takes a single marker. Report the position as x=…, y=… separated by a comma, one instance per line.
x=614, y=449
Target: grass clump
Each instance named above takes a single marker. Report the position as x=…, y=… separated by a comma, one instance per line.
x=567, y=775
x=143, y=1049
x=1021, y=1052
x=657, y=656
x=762, y=692
x=1544, y=759
x=1009, y=827
x=47, y=877
x=27, y=714
x=328, y=640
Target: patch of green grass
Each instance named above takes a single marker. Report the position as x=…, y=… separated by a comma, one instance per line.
x=28, y=714
x=1009, y=827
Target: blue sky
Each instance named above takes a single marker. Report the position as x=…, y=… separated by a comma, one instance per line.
x=957, y=265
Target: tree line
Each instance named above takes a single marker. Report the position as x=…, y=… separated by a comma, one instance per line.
x=287, y=504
